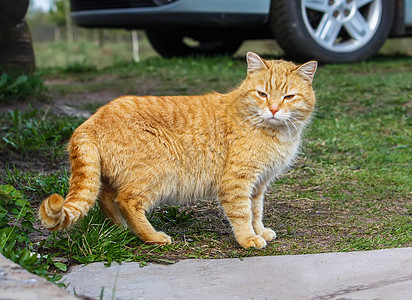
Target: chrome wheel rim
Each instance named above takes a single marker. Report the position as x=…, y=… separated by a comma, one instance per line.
x=341, y=25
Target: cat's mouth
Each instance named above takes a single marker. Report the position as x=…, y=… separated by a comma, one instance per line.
x=276, y=121
x=277, y=118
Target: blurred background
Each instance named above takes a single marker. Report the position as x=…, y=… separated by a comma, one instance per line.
x=57, y=42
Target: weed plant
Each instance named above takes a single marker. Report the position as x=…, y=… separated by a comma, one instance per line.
x=15, y=87
x=16, y=223
x=37, y=185
x=34, y=132
x=172, y=215
x=96, y=239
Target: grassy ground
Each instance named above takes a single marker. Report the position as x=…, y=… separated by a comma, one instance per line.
x=350, y=188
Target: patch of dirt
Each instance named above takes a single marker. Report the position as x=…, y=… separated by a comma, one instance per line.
x=22, y=105
x=78, y=99
x=28, y=163
x=53, y=82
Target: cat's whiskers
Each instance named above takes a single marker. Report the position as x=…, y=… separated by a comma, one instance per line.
x=298, y=116
x=254, y=124
x=293, y=123
x=287, y=127
x=246, y=119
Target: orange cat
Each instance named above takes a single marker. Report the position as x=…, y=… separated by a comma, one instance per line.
x=136, y=152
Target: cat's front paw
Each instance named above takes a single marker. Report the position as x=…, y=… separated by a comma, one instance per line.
x=159, y=238
x=268, y=234
x=255, y=241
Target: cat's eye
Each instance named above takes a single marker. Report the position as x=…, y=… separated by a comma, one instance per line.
x=289, y=97
x=262, y=94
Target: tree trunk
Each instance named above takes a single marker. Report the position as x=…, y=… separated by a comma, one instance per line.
x=16, y=49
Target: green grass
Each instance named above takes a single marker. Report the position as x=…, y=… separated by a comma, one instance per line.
x=94, y=239
x=16, y=87
x=34, y=132
x=88, y=56
x=349, y=190
x=16, y=226
x=35, y=184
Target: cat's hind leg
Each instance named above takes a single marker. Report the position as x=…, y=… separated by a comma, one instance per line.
x=107, y=204
x=133, y=207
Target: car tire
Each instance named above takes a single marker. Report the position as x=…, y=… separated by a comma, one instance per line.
x=171, y=44
x=334, y=31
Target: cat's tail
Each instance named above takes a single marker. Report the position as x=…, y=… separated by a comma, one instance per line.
x=57, y=213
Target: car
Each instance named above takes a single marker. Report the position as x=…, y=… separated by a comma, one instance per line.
x=330, y=31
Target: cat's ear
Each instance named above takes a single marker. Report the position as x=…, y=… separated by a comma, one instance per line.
x=307, y=70
x=254, y=62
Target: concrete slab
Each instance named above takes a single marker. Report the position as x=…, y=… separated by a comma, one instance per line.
x=382, y=274
x=18, y=284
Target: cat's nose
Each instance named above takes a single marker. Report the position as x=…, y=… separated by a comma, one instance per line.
x=274, y=110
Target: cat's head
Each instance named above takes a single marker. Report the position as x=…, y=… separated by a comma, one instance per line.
x=277, y=92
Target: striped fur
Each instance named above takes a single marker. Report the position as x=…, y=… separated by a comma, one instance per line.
x=136, y=152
